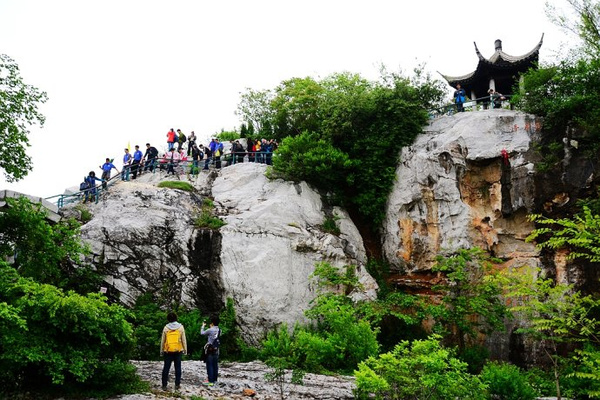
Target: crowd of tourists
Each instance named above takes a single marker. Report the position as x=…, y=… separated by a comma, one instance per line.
x=183, y=155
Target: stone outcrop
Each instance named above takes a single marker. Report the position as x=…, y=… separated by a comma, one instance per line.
x=467, y=181
x=146, y=240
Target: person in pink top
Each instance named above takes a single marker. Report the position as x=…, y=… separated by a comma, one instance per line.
x=173, y=158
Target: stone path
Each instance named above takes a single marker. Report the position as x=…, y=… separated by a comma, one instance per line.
x=233, y=379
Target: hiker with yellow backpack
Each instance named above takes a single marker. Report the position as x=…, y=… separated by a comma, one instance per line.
x=172, y=345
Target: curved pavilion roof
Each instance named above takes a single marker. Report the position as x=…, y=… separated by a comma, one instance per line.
x=501, y=67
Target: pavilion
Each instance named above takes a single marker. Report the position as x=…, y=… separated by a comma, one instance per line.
x=499, y=72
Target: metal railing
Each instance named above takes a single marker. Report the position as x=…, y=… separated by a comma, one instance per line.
x=177, y=167
x=478, y=104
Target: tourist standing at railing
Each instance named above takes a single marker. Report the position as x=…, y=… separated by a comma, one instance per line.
x=258, y=149
x=106, y=168
x=459, y=98
x=91, y=192
x=207, y=157
x=137, y=159
x=171, y=139
x=238, y=151
x=173, y=158
x=251, y=149
x=191, y=142
x=496, y=98
x=197, y=155
x=180, y=140
x=150, y=157
x=126, y=166
x=218, y=153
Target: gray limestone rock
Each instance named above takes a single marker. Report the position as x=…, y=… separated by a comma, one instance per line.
x=145, y=238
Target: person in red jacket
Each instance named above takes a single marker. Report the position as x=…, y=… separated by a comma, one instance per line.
x=171, y=138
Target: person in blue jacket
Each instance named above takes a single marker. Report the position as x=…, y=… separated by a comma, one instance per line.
x=459, y=98
x=137, y=159
x=91, y=192
x=106, y=168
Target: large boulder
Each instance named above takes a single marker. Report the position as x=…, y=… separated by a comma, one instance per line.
x=467, y=181
x=146, y=239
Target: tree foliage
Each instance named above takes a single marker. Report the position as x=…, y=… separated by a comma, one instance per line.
x=579, y=234
x=471, y=302
x=567, y=95
x=422, y=369
x=47, y=252
x=49, y=338
x=556, y=314
x=18, y=110
x=583, y=22
x=343, y=133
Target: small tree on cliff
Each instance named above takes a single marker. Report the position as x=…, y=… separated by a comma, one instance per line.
x=558, y=315
x=471, y=302
x=18, y=110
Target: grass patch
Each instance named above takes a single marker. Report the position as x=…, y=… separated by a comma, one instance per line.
x=85, y=215
x=206, y=219
x=185, y=186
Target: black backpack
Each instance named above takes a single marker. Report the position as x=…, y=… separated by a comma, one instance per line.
x=84, y=185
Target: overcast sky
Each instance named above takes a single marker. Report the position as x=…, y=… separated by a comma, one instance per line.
x=119, y=71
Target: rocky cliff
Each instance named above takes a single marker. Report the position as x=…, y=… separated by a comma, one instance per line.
x=147, y=240
x=471, y=180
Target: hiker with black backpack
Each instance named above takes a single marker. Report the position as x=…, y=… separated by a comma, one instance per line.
x=172, y=346
x=211, y=350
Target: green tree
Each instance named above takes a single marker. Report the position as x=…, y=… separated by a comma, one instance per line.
x=51, y=340
x=255, y=109
x=422, y=369
x=566, y=95
x=18, y=110
x=579, y=234
x=471, y=302
x=556, y=315
x=47, y=252
x=296, y=107
x=584, y=22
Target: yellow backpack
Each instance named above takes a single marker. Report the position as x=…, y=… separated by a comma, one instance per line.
x=173, y=341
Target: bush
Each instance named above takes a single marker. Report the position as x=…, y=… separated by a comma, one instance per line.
x=422, y=369
x=206, y=219
x=53, y=340
x=507, y=382
x=306, y=157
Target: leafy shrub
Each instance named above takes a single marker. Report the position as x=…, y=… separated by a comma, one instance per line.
x=50, y=339
x=422, y=369
x=206, y=219
x=337, y=340
x=48, y=253
x=330, y=225
x=307, y=157
x=185, y=186
x=507, y=382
